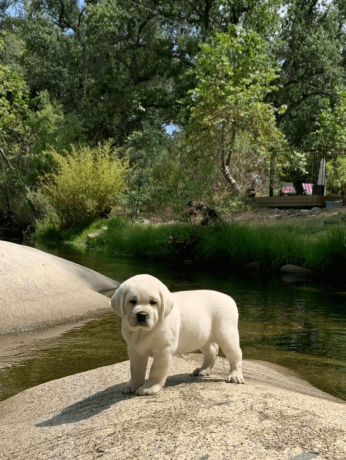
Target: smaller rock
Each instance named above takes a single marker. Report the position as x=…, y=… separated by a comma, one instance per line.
x=279, y=217
x=187, y=262
x=93, y=235
x=145, y=221
x=305, y=212
x=104, y=228
x=289, y=268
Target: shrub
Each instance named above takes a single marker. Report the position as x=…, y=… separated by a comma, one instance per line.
x=86, y=184
x=234, y=203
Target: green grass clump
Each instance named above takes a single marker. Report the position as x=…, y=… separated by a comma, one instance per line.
x=51, y=232
x=149, y=241
x=242, y=244
x=327, y=253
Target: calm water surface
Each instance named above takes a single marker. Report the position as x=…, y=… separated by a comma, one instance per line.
x=294, y=324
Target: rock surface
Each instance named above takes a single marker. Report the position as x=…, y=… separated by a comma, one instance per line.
x=38, y=290
x=274, y=416
x=305, y=212
x=289, y=268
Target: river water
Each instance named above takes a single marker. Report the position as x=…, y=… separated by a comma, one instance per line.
x=289, y=322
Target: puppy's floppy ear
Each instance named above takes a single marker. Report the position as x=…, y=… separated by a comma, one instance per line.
x=118, y=300
x=166, y=302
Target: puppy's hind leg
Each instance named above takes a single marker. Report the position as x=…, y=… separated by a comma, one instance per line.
x=229, y=343
x=210, y=352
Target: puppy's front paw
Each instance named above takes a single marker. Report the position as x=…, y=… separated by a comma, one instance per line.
x=202, y=372
x=148, y=389
x=236, y=377
x=129, y=387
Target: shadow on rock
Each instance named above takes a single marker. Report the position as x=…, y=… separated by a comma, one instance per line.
x=103, y=400
x=88, y=407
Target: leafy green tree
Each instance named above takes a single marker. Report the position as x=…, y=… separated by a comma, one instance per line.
x=25, y=134
x=336, y=175
x=329, y=135
x=14, y=141
x=328, y=140
x=309, y=47
x=234, y=72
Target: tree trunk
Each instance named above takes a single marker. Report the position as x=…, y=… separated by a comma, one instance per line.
x=225, y=162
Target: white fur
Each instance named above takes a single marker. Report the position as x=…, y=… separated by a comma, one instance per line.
x=178, y=322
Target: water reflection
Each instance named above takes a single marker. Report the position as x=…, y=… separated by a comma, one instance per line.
x=295, y=325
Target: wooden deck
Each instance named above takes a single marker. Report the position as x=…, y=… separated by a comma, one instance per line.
x=292, y=201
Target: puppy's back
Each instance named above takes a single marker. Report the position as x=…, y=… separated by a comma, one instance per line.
x=205, y=304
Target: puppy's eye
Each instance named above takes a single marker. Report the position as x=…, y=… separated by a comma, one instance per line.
x=133, y=302
x=152, y=302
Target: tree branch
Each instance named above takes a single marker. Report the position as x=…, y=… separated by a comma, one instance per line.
x=6, y=159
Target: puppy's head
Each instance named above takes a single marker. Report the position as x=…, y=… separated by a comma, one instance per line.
x=142, y=301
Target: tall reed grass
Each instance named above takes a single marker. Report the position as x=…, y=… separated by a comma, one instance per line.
x=233, y=244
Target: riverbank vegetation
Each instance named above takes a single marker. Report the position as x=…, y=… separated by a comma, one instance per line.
x=133, y=108
x=319, y=247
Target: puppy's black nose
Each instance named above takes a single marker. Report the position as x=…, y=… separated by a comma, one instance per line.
x=141, y=317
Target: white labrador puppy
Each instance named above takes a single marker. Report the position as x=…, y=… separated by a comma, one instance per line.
x=161, y=324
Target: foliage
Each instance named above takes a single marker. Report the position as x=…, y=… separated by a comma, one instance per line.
x=310, y=48
x=86, y=184
x=24, y=136
x=51, y=127
x=147, y=149
x=336, y=175
x=234, y=203
x=328, y=140
x=14, y=110
x=234, y=72
x=15, y=160
x=329, y=136
x=117, y=64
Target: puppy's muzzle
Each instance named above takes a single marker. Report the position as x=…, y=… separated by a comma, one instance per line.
x=142, y=317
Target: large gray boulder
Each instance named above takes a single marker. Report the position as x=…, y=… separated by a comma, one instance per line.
x=38, y=290
x=85, y=416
